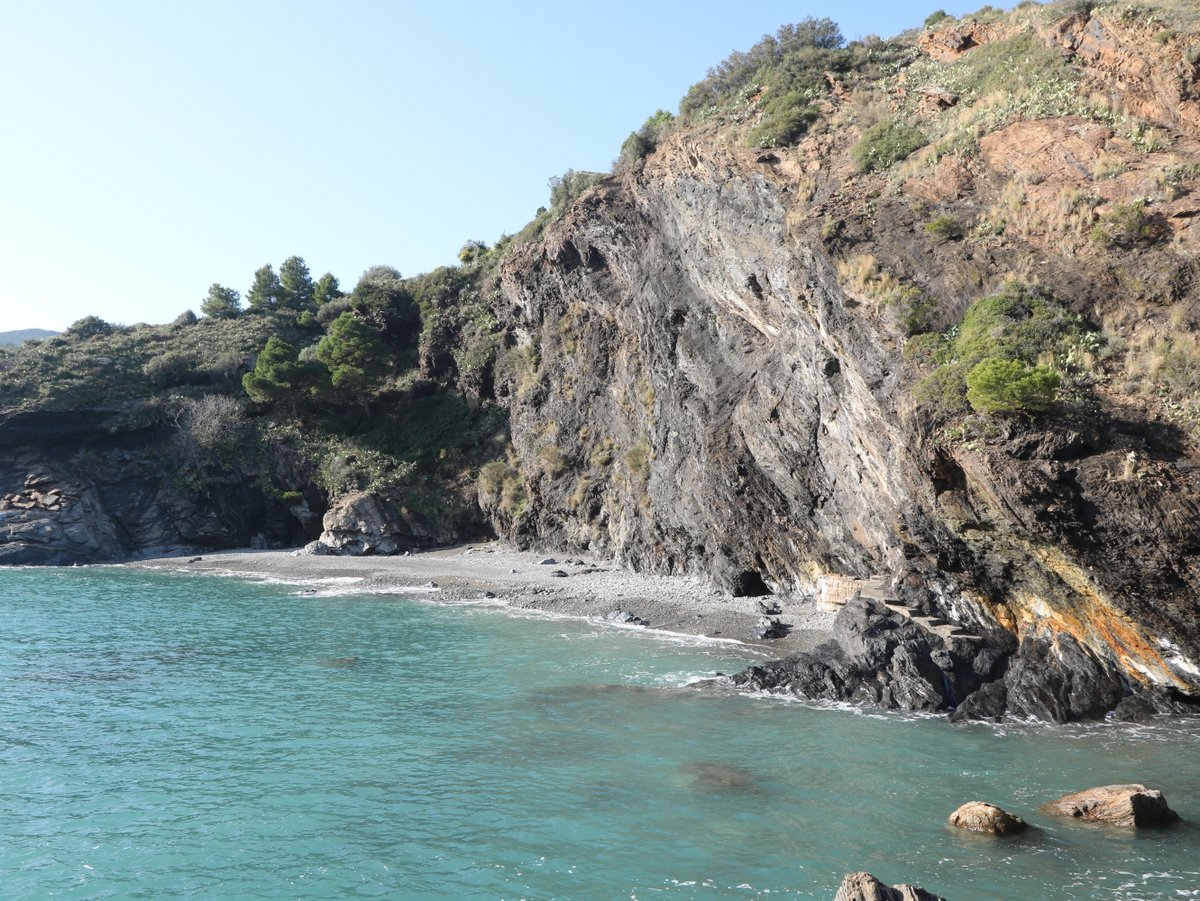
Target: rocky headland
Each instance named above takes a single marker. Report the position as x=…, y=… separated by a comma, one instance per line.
x=942, y=388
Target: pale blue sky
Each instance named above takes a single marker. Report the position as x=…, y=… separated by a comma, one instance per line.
x=152, y=148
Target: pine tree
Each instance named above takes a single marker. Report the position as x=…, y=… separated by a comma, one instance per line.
x=221, y=302
x=266, y=291
x=296, y=283
x=326, y=289
x=355, y=355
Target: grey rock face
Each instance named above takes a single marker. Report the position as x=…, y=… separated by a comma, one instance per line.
x=722, y=405
x=877, y=657
x=90, y=488
x=1060, y=680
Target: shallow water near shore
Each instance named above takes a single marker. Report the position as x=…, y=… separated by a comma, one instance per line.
x=167, y=735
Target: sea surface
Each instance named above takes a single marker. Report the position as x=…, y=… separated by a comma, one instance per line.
x=178, y=736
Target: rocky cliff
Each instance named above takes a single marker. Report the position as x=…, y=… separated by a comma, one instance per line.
x=748, y=363
x=99, y=485
x=708, y=377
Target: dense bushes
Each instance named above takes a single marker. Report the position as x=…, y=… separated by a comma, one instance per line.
x=989, y=362
x=1009, y=386
x=642, y=142
x=785, y=118
x=885, y=143
x=790, y=61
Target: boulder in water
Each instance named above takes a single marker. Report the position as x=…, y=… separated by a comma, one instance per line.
x=865, y=887
x=979, y=816
x=1131, y=805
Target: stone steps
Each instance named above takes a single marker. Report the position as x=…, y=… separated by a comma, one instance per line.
x=879, y=590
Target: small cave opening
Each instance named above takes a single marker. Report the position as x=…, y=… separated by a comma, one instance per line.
x=595, y=260
x=568, y=257
x=754, y=286
x=749, y=584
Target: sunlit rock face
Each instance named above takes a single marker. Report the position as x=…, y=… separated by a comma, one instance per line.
x=696, y=388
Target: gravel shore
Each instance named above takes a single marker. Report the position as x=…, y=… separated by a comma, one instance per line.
x=590, y=588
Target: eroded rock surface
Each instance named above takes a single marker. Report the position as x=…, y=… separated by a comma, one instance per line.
x=881, y=657
x=1131, y=806
x=865, y=887
x=92, y=487
x=988, y=819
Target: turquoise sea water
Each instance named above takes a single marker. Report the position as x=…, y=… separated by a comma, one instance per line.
x=166, y=736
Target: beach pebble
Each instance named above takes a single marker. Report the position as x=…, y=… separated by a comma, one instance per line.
x=549, y=561
x=558, y=574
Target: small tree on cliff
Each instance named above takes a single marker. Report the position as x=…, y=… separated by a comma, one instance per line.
x=1009, y=386
x=355, y=355
x=280, y=375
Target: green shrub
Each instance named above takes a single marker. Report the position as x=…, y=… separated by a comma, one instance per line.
x=1009, y=386
x=175, y=367
x=793, y=59
x=885, y=143
x=1128, y=225
x=1015, y=327
x=88, y=327
x=642, y=142
x=937, y=17
x=944, y=391
x=927, y=349
x=785, y=119
x=945, y=226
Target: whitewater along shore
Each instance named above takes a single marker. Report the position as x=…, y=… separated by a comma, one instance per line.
x=576, y=586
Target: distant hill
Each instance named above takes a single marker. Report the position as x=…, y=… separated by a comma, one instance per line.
x=25, y=334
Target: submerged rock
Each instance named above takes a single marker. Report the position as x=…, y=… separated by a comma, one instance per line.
x=1135, y=709
x=865, y=887
x=979, y=816
x=1131, y=805
x=719, y=777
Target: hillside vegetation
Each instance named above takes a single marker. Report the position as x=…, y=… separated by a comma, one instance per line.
x=406, y=382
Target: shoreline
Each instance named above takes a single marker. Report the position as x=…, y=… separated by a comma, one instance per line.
x=522, y=580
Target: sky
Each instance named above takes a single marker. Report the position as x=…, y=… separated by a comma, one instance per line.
x=152, y=148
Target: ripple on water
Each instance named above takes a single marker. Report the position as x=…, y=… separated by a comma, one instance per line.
x=164, y=735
